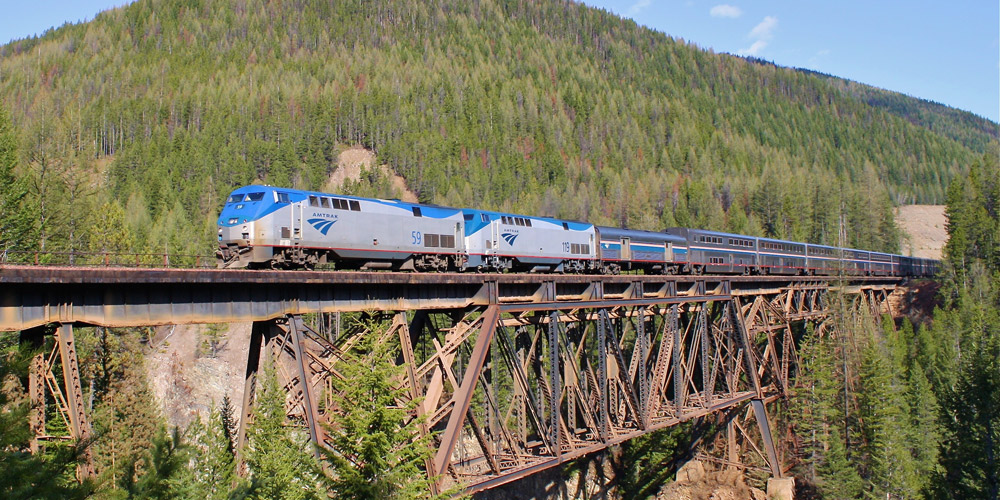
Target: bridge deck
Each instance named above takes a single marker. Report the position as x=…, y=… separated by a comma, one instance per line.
x=31, y=296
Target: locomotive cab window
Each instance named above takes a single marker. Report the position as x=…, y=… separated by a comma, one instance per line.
x=281, y=197
x=255, y=196
x=484, y=217
x=324, y=202
x=468, y=217
x=527, y=222
x=355, y=206
x=313, y=201
x=236, y=198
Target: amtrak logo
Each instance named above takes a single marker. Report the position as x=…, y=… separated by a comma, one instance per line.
x=509, y=238
x=322, y=225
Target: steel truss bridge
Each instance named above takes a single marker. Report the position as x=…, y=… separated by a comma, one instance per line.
x=510, y=374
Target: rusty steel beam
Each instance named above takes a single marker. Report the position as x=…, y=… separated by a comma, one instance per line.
x=506, y=375
x=34, y=296
x=464, y=395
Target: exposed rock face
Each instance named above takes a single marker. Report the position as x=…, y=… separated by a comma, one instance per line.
x=699, y=481
x=350, y=164
x=924, y=228
x=188, y=378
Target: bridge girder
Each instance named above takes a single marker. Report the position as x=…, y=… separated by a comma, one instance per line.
x=508, y=374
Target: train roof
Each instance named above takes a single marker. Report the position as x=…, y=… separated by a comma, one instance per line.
x=685, y=230
x=639, y=234
x=493, y=215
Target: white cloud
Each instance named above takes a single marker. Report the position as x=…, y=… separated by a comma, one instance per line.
x=816, y=61
x=726, y=10
x=761, y=34
x=638, y=6
x=754, y=49
x=764, y=30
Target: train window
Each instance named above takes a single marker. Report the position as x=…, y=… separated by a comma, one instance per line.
x=484, y=217
x=565, y=226
x=468, y=217
x=503, y=219
x=574, y=248
x=255, y=196
x=236, y=198
x=355, y=205
x=518, y=221
x=324, y=202
x=313, y=201
x=527, y=222
x=586, y=248
x=282, y=197
x=430, y=240
x=416, y=212
x=447, y=241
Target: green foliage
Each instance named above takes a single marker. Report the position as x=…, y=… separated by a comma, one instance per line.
x=651, y=460
x=131, y=441
x=17, y=224
x=974, y=216
x=374, y=453
x=278, y=460
x=820, y=415
x=888, y=466
x=212, y=341
x=210, y=473
x=26, y=475
x=544, y=107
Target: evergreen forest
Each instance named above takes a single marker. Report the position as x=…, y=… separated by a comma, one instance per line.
x=126, y=134
x=132, y=128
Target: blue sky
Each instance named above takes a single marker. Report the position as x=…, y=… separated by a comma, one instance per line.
x=944, y=51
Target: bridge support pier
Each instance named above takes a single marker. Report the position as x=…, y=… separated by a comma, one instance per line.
x=43, y=382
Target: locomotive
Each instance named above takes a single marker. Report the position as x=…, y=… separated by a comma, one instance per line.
x=269, y=227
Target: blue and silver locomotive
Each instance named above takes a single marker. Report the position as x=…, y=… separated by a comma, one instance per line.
x=264, y=226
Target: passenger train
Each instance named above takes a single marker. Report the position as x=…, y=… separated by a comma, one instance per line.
x=268, y=227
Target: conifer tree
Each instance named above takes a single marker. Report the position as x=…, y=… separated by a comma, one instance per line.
x=17, y=224
x=211, y=468
x=375, y=450
x=280, y=465
x=27, y=475
x=888, y=468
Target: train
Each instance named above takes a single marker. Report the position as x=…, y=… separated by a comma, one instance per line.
x=277, y=228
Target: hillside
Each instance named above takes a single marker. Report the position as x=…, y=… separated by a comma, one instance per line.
x=548, y=107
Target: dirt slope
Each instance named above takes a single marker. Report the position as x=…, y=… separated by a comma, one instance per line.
x=924, y=228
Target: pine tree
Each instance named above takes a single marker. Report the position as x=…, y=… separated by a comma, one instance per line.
x=17, y=224
x=375, y=453
x=29, y=475
x=821, y=417
x=279, y=465
x=888, y=463
x=211, y=468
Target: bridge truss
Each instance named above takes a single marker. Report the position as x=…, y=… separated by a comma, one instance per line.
x=508, y=374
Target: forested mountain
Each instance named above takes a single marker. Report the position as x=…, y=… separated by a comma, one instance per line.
x=139, y=122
